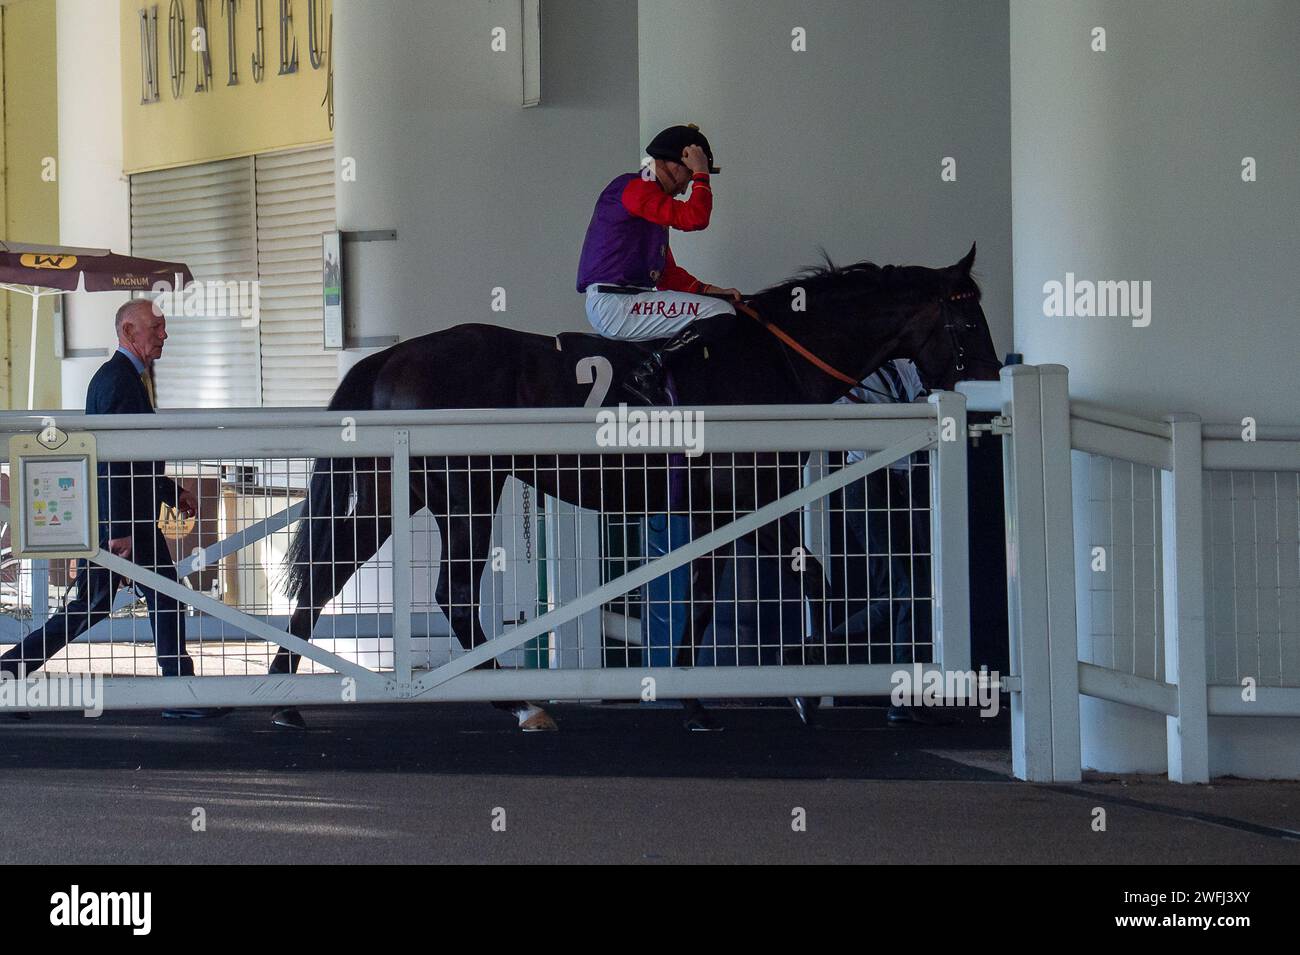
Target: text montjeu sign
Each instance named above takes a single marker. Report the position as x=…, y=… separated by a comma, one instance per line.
x=180, y=43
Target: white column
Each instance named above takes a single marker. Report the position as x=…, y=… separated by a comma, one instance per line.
x=94, y=199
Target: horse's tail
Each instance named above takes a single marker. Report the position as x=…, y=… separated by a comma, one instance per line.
x=333, y=482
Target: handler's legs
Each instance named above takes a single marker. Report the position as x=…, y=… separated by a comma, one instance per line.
x=164, y=612
x=94, y=587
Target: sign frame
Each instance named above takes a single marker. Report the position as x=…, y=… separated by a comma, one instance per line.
x=332, y=290
x=33, y=454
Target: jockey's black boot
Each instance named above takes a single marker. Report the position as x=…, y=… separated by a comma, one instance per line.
x=646, y=382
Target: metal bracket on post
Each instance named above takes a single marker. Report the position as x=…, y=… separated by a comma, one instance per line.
x=999, y=425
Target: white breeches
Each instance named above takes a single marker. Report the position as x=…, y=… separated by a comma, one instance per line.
x=646, y=315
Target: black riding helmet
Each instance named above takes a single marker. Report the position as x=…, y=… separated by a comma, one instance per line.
x=670, y=143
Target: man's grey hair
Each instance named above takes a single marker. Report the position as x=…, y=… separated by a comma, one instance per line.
x=125, y=311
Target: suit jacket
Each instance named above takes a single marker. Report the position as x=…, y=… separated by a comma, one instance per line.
x=129, y=491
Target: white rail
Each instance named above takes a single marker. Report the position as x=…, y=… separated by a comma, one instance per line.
x=1041, y=524
x=194, y=443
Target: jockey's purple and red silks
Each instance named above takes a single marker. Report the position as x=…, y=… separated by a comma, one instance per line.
x=627, y=238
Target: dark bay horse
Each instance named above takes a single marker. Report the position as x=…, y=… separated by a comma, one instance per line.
x=853, y=318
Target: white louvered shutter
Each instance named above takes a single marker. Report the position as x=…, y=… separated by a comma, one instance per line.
x=295, y=207
x=203, y=215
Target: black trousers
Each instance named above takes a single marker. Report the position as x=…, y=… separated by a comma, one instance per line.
x=95, y=587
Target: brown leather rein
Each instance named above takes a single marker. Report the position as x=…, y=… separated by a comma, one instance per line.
x=789, y=341
x=799, y=349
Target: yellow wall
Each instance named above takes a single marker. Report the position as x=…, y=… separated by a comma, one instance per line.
x=277, y=113
x=30, y=210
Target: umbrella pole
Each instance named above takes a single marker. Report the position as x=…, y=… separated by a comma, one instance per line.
x=31, y=365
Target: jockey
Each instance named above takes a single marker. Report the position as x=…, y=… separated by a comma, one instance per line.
x=635, y=291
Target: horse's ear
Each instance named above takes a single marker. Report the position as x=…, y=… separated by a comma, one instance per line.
x=964, y=266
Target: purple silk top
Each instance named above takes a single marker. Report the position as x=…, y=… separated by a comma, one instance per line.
x=620, y=248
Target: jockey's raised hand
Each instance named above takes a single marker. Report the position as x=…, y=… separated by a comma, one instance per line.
x=695, y=159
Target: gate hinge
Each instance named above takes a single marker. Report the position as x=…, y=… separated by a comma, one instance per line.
x=999, y=425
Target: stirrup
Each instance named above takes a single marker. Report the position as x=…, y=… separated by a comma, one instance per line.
x=645, y=397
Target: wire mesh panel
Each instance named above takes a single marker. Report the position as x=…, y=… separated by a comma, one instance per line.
x=171, y=519
x=1118, y=565
x=1252, y=534
x=407, y=550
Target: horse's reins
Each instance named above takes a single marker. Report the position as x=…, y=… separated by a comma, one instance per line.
x=797, y=348
x=790, y=342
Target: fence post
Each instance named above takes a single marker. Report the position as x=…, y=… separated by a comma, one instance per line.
x=1184, y=597
x=40, y=591
x=400, y=498
x=951, y=540
x=1023, y=476
x=1058, y=527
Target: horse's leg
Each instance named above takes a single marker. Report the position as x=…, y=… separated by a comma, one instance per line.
x=784, y=537
x=466, y=542
x=339, y=548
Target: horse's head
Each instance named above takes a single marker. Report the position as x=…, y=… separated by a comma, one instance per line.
x=949, y=337
x=858, y=317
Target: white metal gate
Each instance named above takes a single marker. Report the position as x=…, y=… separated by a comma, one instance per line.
x=271, y=455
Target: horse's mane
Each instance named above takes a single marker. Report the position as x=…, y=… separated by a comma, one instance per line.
x=857, y=278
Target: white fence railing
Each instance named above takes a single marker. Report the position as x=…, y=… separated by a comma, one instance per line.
x=1153, y=564
x=390, y=634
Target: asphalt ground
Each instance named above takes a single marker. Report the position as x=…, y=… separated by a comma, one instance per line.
x=411, y=783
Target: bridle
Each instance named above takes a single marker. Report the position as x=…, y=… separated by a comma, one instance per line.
x=951, y=327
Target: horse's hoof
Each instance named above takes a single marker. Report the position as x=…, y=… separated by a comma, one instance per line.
x=534, y=719
x=806, y=707
x=289, y=718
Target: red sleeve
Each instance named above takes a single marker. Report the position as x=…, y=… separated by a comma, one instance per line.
x=646, y=200
x=677, y=279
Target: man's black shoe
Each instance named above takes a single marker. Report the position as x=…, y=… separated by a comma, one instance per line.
x=698, y=719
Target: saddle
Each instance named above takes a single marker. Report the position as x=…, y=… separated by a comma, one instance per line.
x=623, y=356
x=586, y=344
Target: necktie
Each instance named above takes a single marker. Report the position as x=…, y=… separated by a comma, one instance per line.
x=147, y=378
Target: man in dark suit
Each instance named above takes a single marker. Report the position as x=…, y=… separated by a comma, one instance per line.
x=129, y=496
